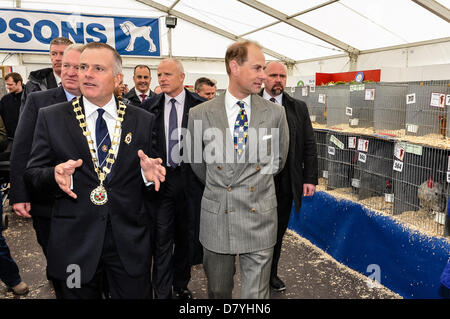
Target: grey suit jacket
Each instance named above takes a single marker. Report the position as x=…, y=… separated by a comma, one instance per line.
x=238, y=209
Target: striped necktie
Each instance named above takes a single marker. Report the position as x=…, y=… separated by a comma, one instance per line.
x=102, y=138
x=240, y=129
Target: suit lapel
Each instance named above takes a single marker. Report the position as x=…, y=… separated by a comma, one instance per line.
x=128, y=129
x=78, y=139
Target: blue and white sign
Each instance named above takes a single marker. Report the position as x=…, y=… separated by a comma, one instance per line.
x=32, y=31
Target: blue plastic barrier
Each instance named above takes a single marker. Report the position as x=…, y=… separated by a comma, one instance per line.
x=410, y=263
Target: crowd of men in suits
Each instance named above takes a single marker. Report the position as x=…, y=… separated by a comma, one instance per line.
x=115, y=186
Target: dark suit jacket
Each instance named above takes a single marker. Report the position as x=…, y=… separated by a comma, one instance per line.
x=134, y=99
x=78, y=226
x=39, y=80
x=193, y=186
x=9, y=111
x=41, y=202
x=301, y=164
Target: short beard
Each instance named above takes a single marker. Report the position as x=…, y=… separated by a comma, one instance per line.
x=276, y=90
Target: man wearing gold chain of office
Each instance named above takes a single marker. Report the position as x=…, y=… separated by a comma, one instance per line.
x=91, y=153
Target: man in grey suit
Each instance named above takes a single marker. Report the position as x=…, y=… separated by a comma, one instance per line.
x=236, y=143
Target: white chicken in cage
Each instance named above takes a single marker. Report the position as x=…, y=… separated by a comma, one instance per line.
x=431, y=196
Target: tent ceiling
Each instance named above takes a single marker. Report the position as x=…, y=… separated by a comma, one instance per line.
x=290, y=30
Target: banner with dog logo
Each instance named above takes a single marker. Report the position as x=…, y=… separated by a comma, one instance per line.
x=31, y=31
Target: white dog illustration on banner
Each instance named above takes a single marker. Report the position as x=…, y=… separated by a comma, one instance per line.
x=137, y=32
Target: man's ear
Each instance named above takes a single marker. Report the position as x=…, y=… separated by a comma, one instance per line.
x=234, y=67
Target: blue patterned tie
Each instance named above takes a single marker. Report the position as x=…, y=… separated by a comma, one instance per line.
x=102, y=138
x=173, y=125
x=240, y=129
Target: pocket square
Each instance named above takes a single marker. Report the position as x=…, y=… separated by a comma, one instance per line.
x=266, y=137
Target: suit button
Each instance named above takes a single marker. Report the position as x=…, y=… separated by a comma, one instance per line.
x=229, y=188
x=252, y=189
x=219, y=168
x=257, y=167
x=253, y=210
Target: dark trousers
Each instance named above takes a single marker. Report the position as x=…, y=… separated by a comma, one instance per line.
x=284, y=211
x=41, y=226
x=171, y=266
x=9, y=272
x=120, y=284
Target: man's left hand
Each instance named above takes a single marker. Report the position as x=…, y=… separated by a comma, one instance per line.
x=153, y=170
x=309, y=189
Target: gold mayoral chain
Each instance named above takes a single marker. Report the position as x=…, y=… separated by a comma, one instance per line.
x=99, y=195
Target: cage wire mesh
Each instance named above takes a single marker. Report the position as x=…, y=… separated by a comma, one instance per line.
x=337, y=102
x=341, y=162
x=426, y=110
x=420, y=186
x=390, y=108
x=317, y=104
x=373, y=173
x=322, y=149
x=361, y=108
x=301, y=93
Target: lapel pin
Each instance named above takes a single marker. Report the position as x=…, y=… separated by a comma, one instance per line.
x=128, y=138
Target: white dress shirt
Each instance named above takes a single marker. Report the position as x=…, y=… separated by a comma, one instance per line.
x=139, y=94
x=58, y=79
x=110, y=116
x=278, y=98
x=232, y=109
x=179, y=106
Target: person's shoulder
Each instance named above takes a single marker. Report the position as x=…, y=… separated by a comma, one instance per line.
x=195, y=98
x=139, y=112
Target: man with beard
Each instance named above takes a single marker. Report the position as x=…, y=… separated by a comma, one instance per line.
x=299, y=176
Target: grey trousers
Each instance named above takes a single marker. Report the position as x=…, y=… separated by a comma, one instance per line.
x=255, y=274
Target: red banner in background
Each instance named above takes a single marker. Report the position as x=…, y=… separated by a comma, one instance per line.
x=325, y=78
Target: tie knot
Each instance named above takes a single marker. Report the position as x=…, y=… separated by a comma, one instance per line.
x=143, y=96
x=241, y=104
x=172, y=100
x=272, y=99
x=100, y=112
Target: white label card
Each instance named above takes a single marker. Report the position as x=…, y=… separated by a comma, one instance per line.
x=369, y=95
x=362, y=157
x=389, y=198
x=352, y=143
x=398, y=166
x=348, y=111
x=363, y=145
x=411, y=98
x=322, y=98
x=437, y=100
x=325, y=174
x=331, y=150
x=356, y=182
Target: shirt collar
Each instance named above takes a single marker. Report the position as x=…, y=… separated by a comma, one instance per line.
x=230, y=100
x=278, y=98
x=57, y=78
x=69, y=95
x=179, y=98
x=110, y=107
x=139, y=93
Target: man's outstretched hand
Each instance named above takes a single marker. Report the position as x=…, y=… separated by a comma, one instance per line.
x=63, y=174
x=152, y=168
